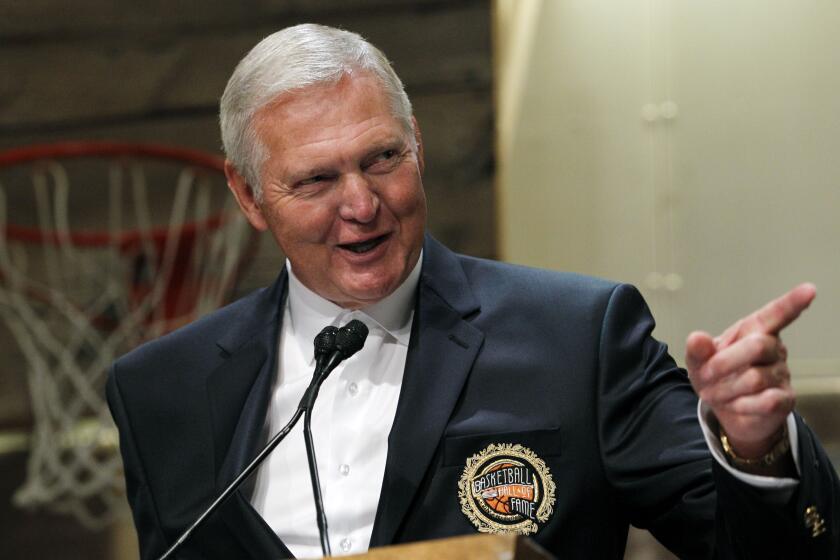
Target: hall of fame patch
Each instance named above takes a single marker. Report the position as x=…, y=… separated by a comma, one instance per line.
x=506, y=488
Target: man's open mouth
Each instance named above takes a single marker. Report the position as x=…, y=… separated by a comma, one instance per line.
x=364, y=246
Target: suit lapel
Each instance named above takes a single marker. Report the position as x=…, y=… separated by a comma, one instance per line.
x=239, y=392
x=442, y=350
x=441, y=353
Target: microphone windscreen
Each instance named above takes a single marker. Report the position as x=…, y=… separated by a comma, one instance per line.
x=351, y=337
x=325, y=341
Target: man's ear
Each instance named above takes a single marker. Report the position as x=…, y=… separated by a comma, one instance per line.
x=244, y=195
x=419, y=139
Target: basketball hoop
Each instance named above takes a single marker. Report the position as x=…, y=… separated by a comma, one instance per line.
x=89, y=273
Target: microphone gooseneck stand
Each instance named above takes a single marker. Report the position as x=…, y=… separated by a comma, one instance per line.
x=348, y=340
x=332, y=346
x=320, y=515
x=324, y=347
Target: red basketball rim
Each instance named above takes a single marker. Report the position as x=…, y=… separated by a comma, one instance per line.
x=109, y=149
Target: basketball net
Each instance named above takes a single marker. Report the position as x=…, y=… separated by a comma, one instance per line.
x=75, y=300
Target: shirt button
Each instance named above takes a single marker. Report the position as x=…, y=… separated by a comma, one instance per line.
x=344, y=469
x=353, y=388
x=345, y=544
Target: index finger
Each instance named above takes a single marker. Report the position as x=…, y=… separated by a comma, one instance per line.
x=782, y=311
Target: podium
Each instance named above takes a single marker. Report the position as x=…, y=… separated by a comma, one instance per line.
x=472, y=547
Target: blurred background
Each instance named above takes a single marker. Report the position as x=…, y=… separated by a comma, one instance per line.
x=687, y=148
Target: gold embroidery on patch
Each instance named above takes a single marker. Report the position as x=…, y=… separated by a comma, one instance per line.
x=506, y=488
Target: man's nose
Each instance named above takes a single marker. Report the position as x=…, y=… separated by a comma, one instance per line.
x=359, y=200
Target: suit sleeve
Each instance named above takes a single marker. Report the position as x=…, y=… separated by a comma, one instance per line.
x=805, y=527
x=658, y=462
x=152, y=542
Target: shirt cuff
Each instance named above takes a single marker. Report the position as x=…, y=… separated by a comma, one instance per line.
x=780, y=488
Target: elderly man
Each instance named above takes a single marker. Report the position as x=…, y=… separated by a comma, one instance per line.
x=487, y=398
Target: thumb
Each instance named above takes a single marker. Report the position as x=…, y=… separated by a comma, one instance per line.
x=699, y=347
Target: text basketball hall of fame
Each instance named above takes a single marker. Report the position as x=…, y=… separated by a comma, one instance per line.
x=506, y=488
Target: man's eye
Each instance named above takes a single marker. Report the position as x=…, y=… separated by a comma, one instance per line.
x=389, y=157
x=386, y=155
x=313, y=180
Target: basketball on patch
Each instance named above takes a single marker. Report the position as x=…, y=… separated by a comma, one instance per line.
x=500, y=505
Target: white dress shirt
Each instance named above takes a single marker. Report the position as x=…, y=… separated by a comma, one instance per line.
x=351, y=420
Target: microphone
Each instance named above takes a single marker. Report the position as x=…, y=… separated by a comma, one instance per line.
x=347, y=341
x=332, y=346
x=324, y=346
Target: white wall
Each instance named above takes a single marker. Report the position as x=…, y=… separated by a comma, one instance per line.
x=690, y=148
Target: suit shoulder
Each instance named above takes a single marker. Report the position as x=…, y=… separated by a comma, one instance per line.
x=506, y=290
x=192, y=342
x=494, y=277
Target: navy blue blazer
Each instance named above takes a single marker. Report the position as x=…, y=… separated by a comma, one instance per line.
x=561, y=364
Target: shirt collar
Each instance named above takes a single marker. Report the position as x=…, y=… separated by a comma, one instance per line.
x=309, y=312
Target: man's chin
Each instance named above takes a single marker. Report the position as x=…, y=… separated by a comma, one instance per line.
x=359, y=296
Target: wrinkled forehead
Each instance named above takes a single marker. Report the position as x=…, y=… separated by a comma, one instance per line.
x=326, y=96
x=348, y=118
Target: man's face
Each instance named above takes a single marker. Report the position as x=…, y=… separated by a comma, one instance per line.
x=342, y=189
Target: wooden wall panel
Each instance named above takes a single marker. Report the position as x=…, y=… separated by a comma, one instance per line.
x=68, y=81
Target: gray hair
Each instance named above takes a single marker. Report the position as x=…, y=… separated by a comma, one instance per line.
x=290, y=59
